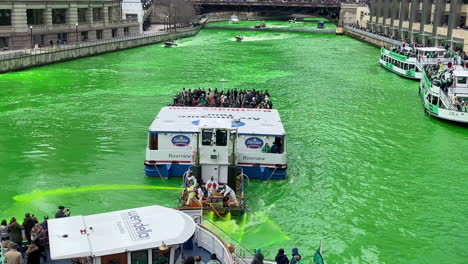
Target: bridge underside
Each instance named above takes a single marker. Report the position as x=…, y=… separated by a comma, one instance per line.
x=327, y=12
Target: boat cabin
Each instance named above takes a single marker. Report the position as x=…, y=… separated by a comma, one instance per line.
x=152, y=234
x=215, y=138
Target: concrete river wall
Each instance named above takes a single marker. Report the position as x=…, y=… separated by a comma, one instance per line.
x=19, y=60
x=371, y=38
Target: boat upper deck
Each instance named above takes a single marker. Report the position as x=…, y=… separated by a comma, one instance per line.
x=173, y=119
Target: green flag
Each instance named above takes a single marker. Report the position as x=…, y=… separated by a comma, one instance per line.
x=318, y=259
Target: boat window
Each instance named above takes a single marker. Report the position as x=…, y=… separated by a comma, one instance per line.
x=435, y=100
x=140, y=257
x=278, y=145
x=207, y=135
x=461, y=80
x=221, y=137
x=153, y=141
x=161, y=257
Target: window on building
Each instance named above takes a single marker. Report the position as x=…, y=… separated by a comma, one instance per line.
x=5, y=17
x=98, y=34
x=140, y=257
x=131, y=16
x=126, y=31
x=84, y=36
x=63, y=37
x=111, y=13
x=35, y=16
x=114, y=32
x=221, y=137
x=4, y=43
x=160, y=257
x=82, y=15
x=59, y=16
x=98, y=14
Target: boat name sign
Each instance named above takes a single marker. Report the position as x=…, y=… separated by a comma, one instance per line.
x=138, y=231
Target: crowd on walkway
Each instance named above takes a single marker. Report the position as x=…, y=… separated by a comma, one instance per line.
x=28, y=240
x=220, y=98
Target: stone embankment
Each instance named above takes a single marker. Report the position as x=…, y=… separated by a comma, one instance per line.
x=25, y=59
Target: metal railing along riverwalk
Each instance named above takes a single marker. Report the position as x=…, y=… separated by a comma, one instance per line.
x=6, y=55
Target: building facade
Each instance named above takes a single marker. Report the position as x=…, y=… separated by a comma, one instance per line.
x=140, y=10
x=33, y=23
x=427, y=22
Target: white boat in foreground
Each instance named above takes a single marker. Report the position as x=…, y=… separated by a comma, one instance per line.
x=152, y=234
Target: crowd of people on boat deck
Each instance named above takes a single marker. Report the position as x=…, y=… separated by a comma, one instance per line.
x=258, y=258
x=219, y=98
x=443, y=78
x=28, y=240
x=200, y=192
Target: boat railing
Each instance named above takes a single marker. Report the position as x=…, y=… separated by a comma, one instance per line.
x=241, y=253
x=208, y=240
x=424, y=60
x=446, y=100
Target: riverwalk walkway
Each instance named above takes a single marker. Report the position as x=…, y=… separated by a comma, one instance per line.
x=27, y=58
x=371, y=38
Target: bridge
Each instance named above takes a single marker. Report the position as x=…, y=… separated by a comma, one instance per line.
x=328, y=9
x=277, y=3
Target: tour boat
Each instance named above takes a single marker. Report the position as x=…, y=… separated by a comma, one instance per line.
x=321, y=24
x=215, y=138
x=447, y=97
x=152, y=234
x=410, y=65
x=239, y=38
x=234, y=20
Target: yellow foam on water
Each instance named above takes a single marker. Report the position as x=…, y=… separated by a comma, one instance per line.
x=93, y=188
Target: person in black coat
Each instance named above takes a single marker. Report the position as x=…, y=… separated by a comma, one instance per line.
x=281, y=258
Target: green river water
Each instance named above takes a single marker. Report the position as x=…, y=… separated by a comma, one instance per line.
x=369, y=171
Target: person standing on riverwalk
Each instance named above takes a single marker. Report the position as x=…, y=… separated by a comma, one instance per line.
x=13, y=256
x=258, y=258
x=28, y=224
x=4, y=231
x=295, y=252
x=281, y=258
x=16, y=235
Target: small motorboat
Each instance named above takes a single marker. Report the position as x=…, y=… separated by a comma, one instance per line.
x=169, y=44
x=321, y=24
x=239, y=38
x=234, y=20
x=292, y=20
x=261, y=25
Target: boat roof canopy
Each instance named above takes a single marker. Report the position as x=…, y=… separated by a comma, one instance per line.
x=431, y=49
x=118, y=231
x=174, y=119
